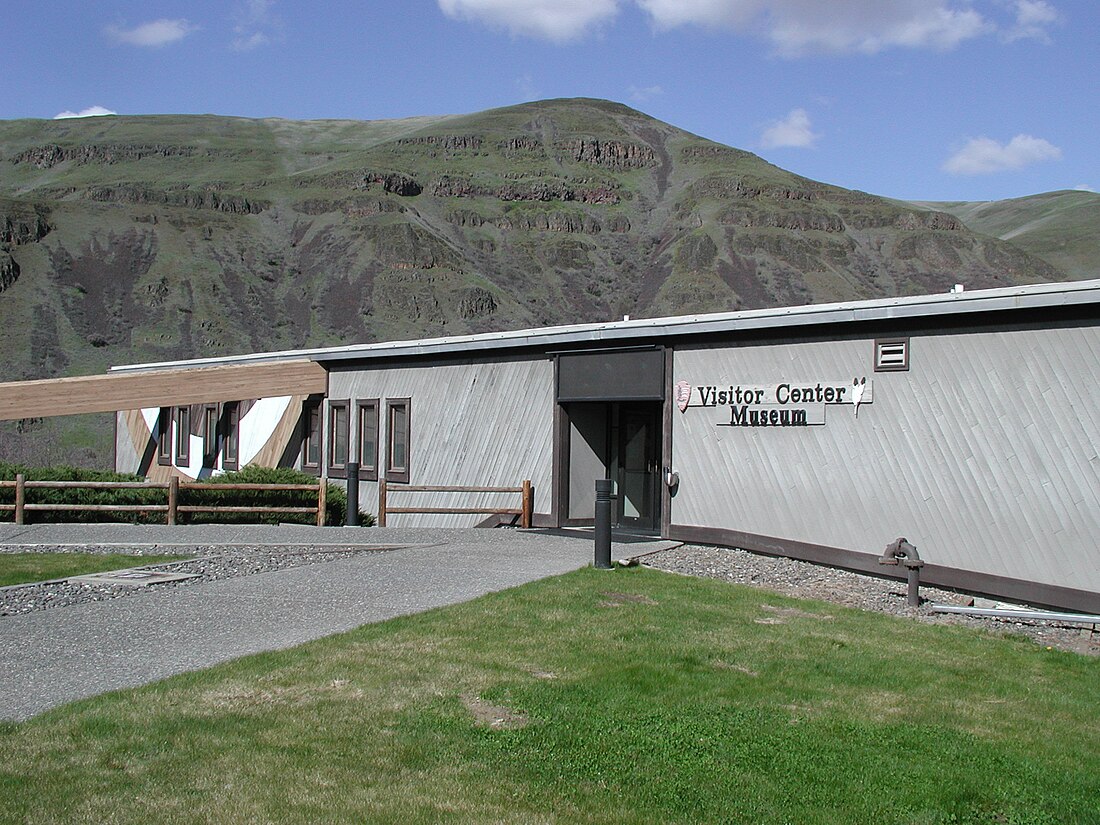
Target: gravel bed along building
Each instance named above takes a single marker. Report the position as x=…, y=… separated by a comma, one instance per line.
x=791, y=577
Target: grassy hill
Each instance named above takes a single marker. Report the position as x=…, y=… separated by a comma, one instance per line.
x=127, y=239
x=1062, y=228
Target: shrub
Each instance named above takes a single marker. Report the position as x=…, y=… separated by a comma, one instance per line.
x=335, y=511
x=81, y=495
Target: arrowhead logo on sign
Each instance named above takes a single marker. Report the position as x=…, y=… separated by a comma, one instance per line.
x=683, y=394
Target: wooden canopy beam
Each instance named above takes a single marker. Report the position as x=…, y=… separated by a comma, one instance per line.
x=159, y=388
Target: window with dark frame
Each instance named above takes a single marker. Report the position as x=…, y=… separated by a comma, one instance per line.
x=209, y=435
x=183, y=436
x=311, y=437
x=398, y=438
x=164, y=436
x=231, y=436
x=338, y=437
x=368, y=439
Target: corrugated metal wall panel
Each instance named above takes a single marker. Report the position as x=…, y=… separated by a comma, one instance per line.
x=478, y=425
x=983, y=454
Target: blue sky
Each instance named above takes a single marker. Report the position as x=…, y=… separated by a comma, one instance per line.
x=918, y=99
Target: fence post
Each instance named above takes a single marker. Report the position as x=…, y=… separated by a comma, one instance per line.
x=173, y=499
x=525, y=519
x=322, y=500
x=381, y=502
x=20, y=497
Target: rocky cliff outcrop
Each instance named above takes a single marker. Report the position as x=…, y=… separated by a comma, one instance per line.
x=543, y=191
x=801, y=220
x=396, y=183
x=9, y=271
x=50, y=155
x=521, y=146
x=478, y=302
x=446, y=144
x=26, y=225
x=211, y=199
x=611, y=154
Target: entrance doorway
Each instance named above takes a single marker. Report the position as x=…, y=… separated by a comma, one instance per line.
x=620, y=441
x=634, y=465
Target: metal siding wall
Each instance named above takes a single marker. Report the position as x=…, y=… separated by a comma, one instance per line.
x=478, y=424
x=984, y=454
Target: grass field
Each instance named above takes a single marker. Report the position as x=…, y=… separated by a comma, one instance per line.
x=626, y=697
x=20, y=568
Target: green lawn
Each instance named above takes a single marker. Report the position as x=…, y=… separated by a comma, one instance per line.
x=20, y=568
x=633, y=696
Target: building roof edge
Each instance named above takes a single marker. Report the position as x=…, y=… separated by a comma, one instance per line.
x=623, y=332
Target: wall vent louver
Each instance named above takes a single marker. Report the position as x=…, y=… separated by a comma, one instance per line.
x=891, y=354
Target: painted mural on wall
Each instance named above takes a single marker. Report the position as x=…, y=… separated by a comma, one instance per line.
x=267, y=432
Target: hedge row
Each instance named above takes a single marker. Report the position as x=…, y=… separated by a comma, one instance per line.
x=335, y=511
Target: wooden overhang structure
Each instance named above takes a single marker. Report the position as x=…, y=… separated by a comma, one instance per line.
x=159, y=388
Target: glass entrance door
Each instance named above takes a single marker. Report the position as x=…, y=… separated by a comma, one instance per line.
x=635, y=465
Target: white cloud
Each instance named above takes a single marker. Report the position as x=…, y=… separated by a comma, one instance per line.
x=1033, y=18
x=794, y=27
x=984, y=155
x=717, y=13
x=797, y=27
x=1084, y=187
x=91, y=111
x=257, y=25
x=793, y=131
x=555, y=20
x=154, y=34
x=641, y=95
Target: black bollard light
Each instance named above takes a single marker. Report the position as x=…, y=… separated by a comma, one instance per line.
x=603, y=524
x=352, y=519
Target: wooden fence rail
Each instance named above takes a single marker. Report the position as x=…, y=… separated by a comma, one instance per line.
x=523, y=511
x=171, y=508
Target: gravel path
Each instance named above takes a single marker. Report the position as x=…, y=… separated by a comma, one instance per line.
x=811, y=581
x=207, y=563
x=263, y=590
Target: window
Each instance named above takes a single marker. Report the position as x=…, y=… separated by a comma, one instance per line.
x=311, y=437
x=891, y=354
x=183, y=436
x=338, y=437
x=164, y=436
x=209, y=435
x=398, y=438
x=368, y=440
x=231, y=438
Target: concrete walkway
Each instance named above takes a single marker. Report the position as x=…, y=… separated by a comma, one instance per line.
x=54, y=656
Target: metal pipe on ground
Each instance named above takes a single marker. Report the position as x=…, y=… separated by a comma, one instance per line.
x=1034, y=615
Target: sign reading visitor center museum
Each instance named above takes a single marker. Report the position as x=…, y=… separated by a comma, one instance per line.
x=783, y=404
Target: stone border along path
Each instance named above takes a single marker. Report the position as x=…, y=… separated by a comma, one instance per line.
x=50, y=657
